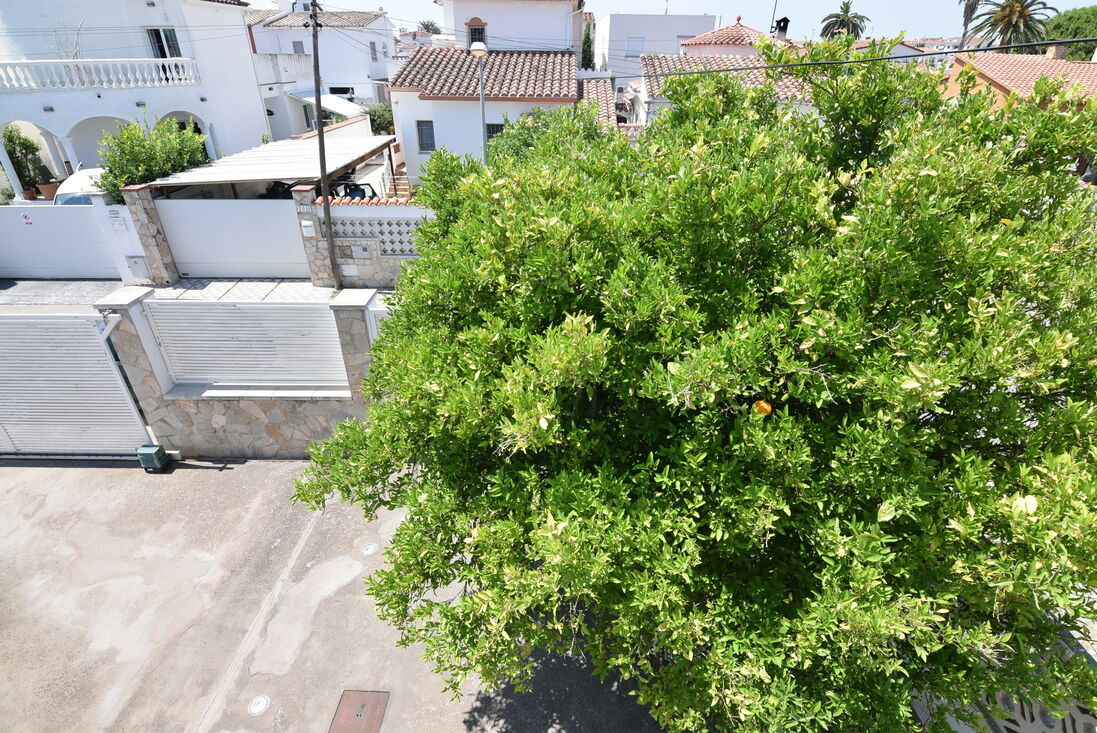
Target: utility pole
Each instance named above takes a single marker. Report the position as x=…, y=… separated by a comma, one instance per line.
x=325, y=188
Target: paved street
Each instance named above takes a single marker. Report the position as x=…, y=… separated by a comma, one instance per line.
x=137, y=602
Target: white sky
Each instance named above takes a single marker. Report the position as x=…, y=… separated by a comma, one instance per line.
x=919, y=18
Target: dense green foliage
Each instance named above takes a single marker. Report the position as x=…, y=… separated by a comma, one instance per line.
x=26, y=159
x=570, y=403
x=844, y=21
x=588, y=46
x=138, y=153
x=1077, y=23
x=1006, y=22
x=380, y=118
x=429, y=26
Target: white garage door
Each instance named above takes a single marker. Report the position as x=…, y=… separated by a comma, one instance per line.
x=263, y=236
x=61, y=391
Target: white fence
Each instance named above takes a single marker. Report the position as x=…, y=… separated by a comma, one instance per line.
x=97, y=74
x=225, y=343
x=234, y=238
x=55, y=242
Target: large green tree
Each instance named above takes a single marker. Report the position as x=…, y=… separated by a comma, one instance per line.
x=844, y=21
x=1006, y=22
x=786, y=416
x=1077, y=23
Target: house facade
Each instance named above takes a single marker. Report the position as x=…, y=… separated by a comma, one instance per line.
x=621, y=38
x=189, y=60
x=514, y=25
x=732, y=40
x=356, y=64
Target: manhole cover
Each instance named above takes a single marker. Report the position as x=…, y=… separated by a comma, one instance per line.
x=370, y=549
x=359, y=712
x=258, y=705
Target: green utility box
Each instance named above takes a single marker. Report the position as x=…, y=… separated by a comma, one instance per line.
x=153, y=458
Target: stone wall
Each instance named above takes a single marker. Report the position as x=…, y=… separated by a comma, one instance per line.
x=260, y=427
x=372, y=242
x=158, y=257
x=320, y=257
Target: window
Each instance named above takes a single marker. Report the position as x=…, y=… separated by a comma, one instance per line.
x=477, y=34
x=493, y=129
x=635, y=46
x=165, y=44
x=298, y=46
x=373, y=50
x=425, y=130
x=348, y=91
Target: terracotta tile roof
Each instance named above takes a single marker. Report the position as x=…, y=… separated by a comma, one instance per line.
x=258, y=16
x=599, y=92
x=346, y=201
x=342, y=19
x=653, y=65
x=238, y=3
x=632, y=132
x=729, y=35
x=1019, y=72
x=439, y=73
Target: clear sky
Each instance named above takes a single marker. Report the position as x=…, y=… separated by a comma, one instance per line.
x=919, y=18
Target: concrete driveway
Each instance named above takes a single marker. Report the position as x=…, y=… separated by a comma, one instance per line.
x=136, y=602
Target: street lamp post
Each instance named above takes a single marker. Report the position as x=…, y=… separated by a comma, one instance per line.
x=480, y=50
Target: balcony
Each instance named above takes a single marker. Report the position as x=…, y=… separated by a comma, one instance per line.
x=20, y=76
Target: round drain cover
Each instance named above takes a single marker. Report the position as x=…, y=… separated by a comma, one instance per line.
x=258, y=705
x=370, y=549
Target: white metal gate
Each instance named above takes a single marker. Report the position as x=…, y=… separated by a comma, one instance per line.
x=217, y=342
x=61, y=391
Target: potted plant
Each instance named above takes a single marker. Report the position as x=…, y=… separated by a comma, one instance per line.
x=29, y=168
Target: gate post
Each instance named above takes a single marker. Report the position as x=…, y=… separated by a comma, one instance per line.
x=158, y=257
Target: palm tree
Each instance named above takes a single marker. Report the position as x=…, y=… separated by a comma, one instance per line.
x=429, y=26
x=1013, y=21
x=844, y=21
x=970, y=6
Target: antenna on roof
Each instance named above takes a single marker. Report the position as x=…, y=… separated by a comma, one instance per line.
x=772, y=27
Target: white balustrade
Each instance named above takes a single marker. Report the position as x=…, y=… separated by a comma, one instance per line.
x=18, y=76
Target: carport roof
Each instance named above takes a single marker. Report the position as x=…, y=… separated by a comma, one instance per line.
x=285, y=160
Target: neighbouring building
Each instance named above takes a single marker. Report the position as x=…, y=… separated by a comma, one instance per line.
x=647, y=96
x=356, y=64
x=903, y=52
x=74, y=70
x=1009, y=73
x=435, y=97
x=514, y=25
x=941, y=50
x=732, y=40
x=621, y=38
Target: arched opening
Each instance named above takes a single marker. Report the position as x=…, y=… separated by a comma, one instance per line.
x=85, y=136
x=40, y=163
x=194, y=122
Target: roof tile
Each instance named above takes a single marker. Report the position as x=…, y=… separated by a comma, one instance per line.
x=599, y=92
x=1019, y=72
x=654, y=67
x=453, y=72
x=342, y=19
x=729, y=35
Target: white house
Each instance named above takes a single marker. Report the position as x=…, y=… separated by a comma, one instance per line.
x=435, y=97
x=514, y=25
x=621, y=38
x=74, y=70
x=732, y=40
x=356, y=62
x=902, y=52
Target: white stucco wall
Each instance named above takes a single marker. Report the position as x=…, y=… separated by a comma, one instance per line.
x=517, y=25
x=345, y=60
x=456, y=124
x=661, y=34
x=211, y=33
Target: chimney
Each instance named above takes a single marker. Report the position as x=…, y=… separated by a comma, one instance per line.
x=780, y=26
x=1057, y=52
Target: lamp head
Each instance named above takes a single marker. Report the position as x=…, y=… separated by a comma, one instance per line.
x=478, y=49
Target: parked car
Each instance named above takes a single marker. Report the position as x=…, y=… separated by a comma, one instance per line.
x=76, y=190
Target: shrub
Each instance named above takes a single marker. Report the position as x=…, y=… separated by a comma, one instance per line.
x=138, y=153
x=788, y=416
x=380, y=116
x=25, y=157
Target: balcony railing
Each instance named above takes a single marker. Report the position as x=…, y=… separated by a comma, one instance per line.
x=17, y=76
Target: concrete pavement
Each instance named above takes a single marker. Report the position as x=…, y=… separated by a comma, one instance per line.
x=138, y=602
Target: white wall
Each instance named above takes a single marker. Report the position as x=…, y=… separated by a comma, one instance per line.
x=661, y=34
x=345, y=60
x=234, y=238
x=517, y=25
x=456, y=124
x=708, y=50
x=59, y=242
x=211, y=33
